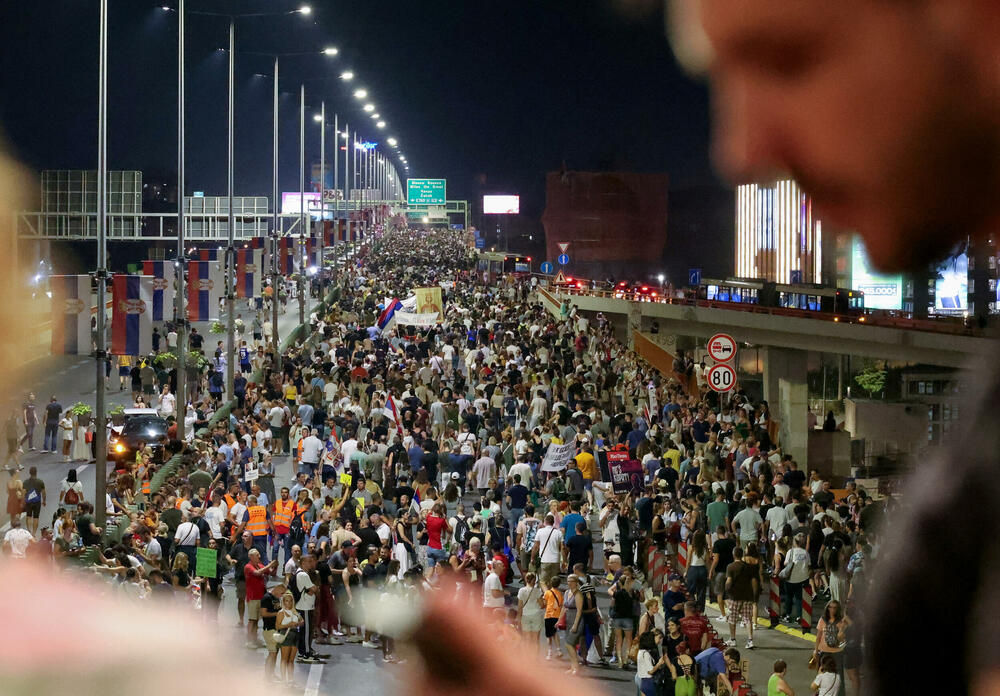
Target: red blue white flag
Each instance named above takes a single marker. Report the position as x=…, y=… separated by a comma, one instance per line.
x=163, y=287
x=71, y=315
x=209, y=254
x=131, y=314
x=248, y=273
x=205, y=287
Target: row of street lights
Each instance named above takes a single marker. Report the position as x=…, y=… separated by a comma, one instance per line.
x=373, y=164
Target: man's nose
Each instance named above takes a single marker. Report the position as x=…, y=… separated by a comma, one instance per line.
x=745, y=135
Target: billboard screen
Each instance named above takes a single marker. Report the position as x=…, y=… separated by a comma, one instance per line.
x=951, y=289
x=501, y=205
x=290, y=205
x=881, y=291
x=426, y=191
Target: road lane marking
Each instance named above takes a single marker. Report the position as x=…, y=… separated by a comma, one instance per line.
x=312, y=683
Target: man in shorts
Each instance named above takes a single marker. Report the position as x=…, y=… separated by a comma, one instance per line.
x=238, y=557
x=270, y=606
x=34, y=499
x=742, y=589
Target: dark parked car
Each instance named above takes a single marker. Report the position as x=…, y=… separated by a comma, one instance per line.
x=145, y=428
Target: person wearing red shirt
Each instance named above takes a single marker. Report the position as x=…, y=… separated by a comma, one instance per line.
x=694, y=626
x=256, y=574
x=437, y=528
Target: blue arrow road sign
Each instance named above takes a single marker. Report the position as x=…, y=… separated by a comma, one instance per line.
x=563, y=259
x=694, y=276
x=547, y=267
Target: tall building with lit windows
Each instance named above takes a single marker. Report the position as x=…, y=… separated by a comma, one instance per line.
x=777, y=236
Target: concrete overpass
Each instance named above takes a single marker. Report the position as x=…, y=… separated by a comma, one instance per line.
x=785, y=338
x=779, y=328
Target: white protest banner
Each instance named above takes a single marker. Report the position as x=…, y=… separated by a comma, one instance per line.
x=413, y=319
x=558, y=456
x=251, y=472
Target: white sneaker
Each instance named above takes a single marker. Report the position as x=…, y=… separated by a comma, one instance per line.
x=721, y=619
x=750, y=645
x=731, y=643
x=369, y=644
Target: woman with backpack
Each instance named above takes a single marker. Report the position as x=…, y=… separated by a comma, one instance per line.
x=71, y=490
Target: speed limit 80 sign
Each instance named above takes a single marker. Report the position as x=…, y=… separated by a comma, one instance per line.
x=722, y=377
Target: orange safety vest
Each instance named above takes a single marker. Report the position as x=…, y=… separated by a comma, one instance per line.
x=257, y=523
x=230, y=501
x=283, y=511
x=145, y=487
x=180, y=501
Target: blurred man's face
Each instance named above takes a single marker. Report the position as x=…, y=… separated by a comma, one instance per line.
x=884, y=111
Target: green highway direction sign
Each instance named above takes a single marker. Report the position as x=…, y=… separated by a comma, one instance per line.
x=425, y=191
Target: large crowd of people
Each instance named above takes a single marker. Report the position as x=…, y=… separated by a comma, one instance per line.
x=376, y=458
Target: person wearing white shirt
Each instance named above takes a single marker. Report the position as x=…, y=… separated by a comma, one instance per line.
x=312, y=450
x=524, y=470
x=17, y=539
x=777, y=518
x=492, y=589
x=168, y=402
x=548, y=549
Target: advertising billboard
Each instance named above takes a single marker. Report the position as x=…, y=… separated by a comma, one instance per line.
x=951, y=289
x=426, y=191
x=290, y=204
x=501, y=205
x=881, y=291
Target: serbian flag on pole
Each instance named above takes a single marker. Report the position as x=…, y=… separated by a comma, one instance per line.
x=286, y=256
x=163, y=286
x=131, y=314
x=248, y=273
x=70, y=315
x=205, y=288
x=208, y=254
x=390, y=310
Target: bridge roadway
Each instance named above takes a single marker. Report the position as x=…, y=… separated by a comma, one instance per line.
x=948, y=346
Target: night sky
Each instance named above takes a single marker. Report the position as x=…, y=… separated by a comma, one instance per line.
x=489, y=95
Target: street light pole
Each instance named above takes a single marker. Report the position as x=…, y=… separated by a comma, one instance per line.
x=336, y=181
x=180, y=299
x=322, y=191
x=100, y=352
x=275, y=223
x=302, y=203
x=347, y=200
x=230, y=262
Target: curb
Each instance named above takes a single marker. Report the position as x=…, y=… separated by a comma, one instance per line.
x=764, y=623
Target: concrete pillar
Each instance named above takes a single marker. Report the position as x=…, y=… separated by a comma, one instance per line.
x=634, y=323
x=787, y=394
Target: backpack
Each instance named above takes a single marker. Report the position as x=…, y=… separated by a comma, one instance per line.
x=461, y=530
x=34, y=496
x=296, y=532
x=294, y=587
x=71, y=497
x=530, y=530
x=559, y=489
x=510, y=406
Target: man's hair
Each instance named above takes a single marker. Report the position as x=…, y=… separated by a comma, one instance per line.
x=737, y=553
x=779, y=666
x=691, y=606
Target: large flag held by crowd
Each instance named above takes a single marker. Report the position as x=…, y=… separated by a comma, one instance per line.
x=163, y=273
x=391, y=307
x=70, y=314
x=131, y=314
x=205, y=287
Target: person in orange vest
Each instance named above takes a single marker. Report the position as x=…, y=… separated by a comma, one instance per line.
x=284, y=511
x=257, y=521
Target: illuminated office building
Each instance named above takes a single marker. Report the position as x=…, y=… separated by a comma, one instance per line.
x=777, y=236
